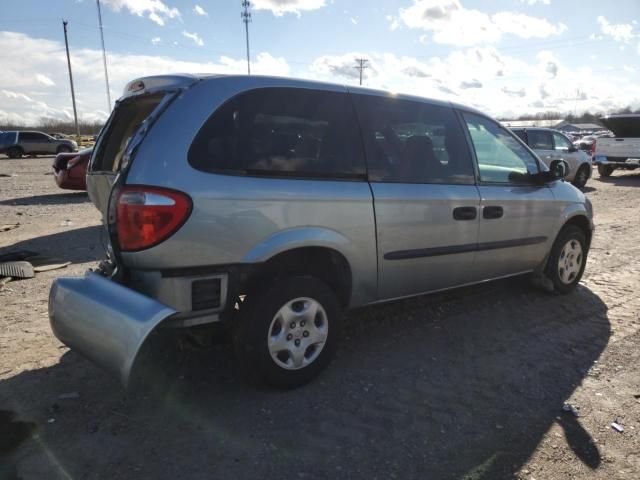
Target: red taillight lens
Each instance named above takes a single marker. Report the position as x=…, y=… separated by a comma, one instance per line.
x=593, y=148
x=145, y=216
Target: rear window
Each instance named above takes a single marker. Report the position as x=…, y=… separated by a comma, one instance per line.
x=123, y=124
x=522, y=135
x=7, y=138
x=281, y=132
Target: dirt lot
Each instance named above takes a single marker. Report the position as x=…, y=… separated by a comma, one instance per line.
x=464, y=385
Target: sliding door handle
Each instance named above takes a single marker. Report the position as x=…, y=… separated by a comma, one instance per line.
x=465, y=213
x=492, y=211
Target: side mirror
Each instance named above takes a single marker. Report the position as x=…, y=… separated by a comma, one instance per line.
x=558, y=169
x=573, y=148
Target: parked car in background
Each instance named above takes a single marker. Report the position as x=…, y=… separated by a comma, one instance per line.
x=278, y=204
x=552, y=145
x=623, y=151
x=586, y=143
x=70, y=169
x=16, y=144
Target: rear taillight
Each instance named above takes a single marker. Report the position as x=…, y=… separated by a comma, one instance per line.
x=145, y=216
x=592, y=151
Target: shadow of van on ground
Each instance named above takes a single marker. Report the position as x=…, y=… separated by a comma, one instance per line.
x=456, y=385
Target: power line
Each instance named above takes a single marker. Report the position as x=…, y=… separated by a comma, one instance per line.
x=361, y=66
x=73, y=93
x=104, y=57
x=246, y=18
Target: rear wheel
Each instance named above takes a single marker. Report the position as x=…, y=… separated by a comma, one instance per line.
x=582, y=175
x=288, y=333
x=14, y=152
x=567, y=259
x=605, y=170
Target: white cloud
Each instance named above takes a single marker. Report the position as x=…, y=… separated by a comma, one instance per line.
x=198, y=10
x=533, y=2
x=43, y=79
x=154, y=17
x=156, y=40
x=195, y=37
x=451, y=23
x=157, y=10
x=24, y=100
x=483, y=77
x=394, y=22
x=620, y=32
x=280, y=7
x=354, y=20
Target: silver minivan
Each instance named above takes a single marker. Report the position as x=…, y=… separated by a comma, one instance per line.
x=270, y=206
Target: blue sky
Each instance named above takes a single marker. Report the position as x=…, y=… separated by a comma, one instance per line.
x=506, y=57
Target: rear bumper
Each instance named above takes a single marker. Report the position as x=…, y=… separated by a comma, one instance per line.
x=629, y=163
x=103, y=320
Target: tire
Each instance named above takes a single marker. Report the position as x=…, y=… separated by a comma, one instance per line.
x=567, y=259
x=63, y=149
x=581, y=177
x=14, y=152
x=276, y=316
x=605, y=170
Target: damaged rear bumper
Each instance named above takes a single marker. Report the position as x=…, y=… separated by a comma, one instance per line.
x=103, y=320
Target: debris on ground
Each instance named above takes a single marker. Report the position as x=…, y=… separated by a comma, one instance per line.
x=18, y=269
x=567, y=407
x=51, y=266
x=4, y=281
x=7, y=227
x=7, y=174
x=617, y=427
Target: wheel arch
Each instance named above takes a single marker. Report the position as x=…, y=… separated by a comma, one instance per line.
x=583, y=223
x=323, y=262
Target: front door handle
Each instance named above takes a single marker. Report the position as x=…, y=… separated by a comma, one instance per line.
x=465, y=213
x=492, y=211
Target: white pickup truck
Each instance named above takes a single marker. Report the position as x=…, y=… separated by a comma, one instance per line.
x=623, y=151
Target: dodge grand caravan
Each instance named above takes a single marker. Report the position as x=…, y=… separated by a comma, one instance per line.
x=273, y=205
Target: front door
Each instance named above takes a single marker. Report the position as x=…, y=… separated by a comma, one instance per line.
x=425, y=198
x=517, y=214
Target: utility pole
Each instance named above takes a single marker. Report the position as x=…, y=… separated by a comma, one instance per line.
x=246, y=18
x=362, y=64
x=104, y=57
x=73, y=93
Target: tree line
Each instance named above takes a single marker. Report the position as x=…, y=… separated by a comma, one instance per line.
x=50, y=126
x=586, y=117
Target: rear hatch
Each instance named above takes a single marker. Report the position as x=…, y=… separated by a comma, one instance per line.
x=143, y=102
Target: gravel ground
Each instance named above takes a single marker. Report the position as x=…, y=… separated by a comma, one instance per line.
x=464, y=385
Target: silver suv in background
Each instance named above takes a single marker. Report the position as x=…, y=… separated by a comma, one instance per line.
x=16, y=144
x=552, y=145
x=272, y=205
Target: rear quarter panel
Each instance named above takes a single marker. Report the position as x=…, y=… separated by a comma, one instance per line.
x=238, y=219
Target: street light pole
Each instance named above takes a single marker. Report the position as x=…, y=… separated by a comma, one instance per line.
x=73, y=93
x=104, y=57
x=246, y=18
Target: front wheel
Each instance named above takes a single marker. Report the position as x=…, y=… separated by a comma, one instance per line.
x=64, y=149
x=288, y=332
x=605, y=170
x=582, y=175
x=567, y=259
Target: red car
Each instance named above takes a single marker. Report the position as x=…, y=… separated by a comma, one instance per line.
x=70, y=169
